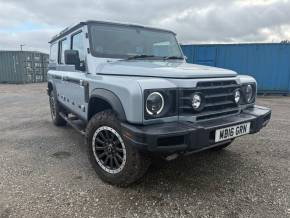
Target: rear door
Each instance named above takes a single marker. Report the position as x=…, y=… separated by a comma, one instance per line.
x=63, y=44
x=55, y=73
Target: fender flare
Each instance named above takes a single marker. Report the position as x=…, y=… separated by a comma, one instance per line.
x=112, y=99
x=53, y=87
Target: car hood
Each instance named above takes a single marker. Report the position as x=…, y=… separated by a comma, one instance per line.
x=162, y=69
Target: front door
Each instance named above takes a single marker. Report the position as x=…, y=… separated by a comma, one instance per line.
x=76, y=85
x=76, y=92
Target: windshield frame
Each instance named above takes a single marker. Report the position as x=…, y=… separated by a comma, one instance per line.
x=116, y=56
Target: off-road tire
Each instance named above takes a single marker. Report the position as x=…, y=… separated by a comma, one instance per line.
x=55, y=109
x=136, y=164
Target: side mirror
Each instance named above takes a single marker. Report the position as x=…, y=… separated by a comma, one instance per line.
x=71, y=57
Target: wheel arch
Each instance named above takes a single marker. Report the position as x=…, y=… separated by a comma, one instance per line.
x=105, y=99
x=50, y=87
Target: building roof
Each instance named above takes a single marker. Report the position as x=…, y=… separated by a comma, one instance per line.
x=78, y=25
x=23, y=51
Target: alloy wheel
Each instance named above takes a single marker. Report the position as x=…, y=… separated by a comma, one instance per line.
x=109, y=149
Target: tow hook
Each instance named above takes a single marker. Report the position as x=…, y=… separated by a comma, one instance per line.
x=172, y=157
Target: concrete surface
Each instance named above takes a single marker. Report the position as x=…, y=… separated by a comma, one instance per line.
x=45, y=171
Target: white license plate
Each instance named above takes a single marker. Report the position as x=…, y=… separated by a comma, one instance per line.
x=232, y=132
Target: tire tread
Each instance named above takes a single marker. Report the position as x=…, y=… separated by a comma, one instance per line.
x=134, y=172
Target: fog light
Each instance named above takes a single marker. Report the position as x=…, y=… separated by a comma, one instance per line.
x=196, y=101
x=237, y=95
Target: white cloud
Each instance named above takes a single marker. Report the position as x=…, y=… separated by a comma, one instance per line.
x=194, y=21
x=33, y=40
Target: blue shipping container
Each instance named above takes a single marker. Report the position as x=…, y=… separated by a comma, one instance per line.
x=269, y=64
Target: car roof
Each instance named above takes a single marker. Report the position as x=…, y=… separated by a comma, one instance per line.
x=78, y=25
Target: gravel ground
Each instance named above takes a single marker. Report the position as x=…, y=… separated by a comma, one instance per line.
x=45, y=171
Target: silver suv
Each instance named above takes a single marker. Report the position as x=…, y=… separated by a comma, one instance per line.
x=129, y=91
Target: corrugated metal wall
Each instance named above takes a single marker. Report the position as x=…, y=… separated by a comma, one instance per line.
x=269, y=64
x=23, y=67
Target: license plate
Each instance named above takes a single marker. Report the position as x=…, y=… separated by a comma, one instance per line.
x=232, y=132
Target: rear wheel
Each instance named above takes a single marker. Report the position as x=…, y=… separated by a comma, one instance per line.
x=114, y=161
x=55, y=109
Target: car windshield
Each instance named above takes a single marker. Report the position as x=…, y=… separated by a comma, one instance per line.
x=117, y=41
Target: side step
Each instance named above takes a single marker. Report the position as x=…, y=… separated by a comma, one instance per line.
x=72, y=124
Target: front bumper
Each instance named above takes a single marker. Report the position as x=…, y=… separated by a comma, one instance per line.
x=183, y=137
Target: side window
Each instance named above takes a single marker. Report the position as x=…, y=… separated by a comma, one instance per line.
x=78, y=44
x=53, y=53
x=63, y=45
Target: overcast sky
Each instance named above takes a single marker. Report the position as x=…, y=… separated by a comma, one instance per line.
x=34, y=22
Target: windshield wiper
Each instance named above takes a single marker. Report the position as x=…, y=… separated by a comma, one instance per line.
x=140, y=56
x=143, y=56
x=172, y=57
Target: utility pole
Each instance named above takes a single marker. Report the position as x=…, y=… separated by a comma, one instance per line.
x=21, y=45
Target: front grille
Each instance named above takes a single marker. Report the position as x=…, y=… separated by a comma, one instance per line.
x=218, y=97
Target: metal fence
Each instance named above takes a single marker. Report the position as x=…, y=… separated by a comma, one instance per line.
x=23, y=67
x=269, y=63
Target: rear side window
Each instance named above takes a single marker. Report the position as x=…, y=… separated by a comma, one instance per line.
x=77, y=44
x=63, y=45
x=53, y=53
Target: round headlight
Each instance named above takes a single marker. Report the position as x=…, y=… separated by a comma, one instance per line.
x=154, y=103
x=249, y=93
x=237, y=95
x=196, y=101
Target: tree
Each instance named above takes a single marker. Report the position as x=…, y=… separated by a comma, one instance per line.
x=285, y=41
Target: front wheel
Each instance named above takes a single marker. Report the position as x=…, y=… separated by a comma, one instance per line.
x=113, y=160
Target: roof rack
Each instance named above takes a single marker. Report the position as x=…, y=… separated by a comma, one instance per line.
x=78, y=25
